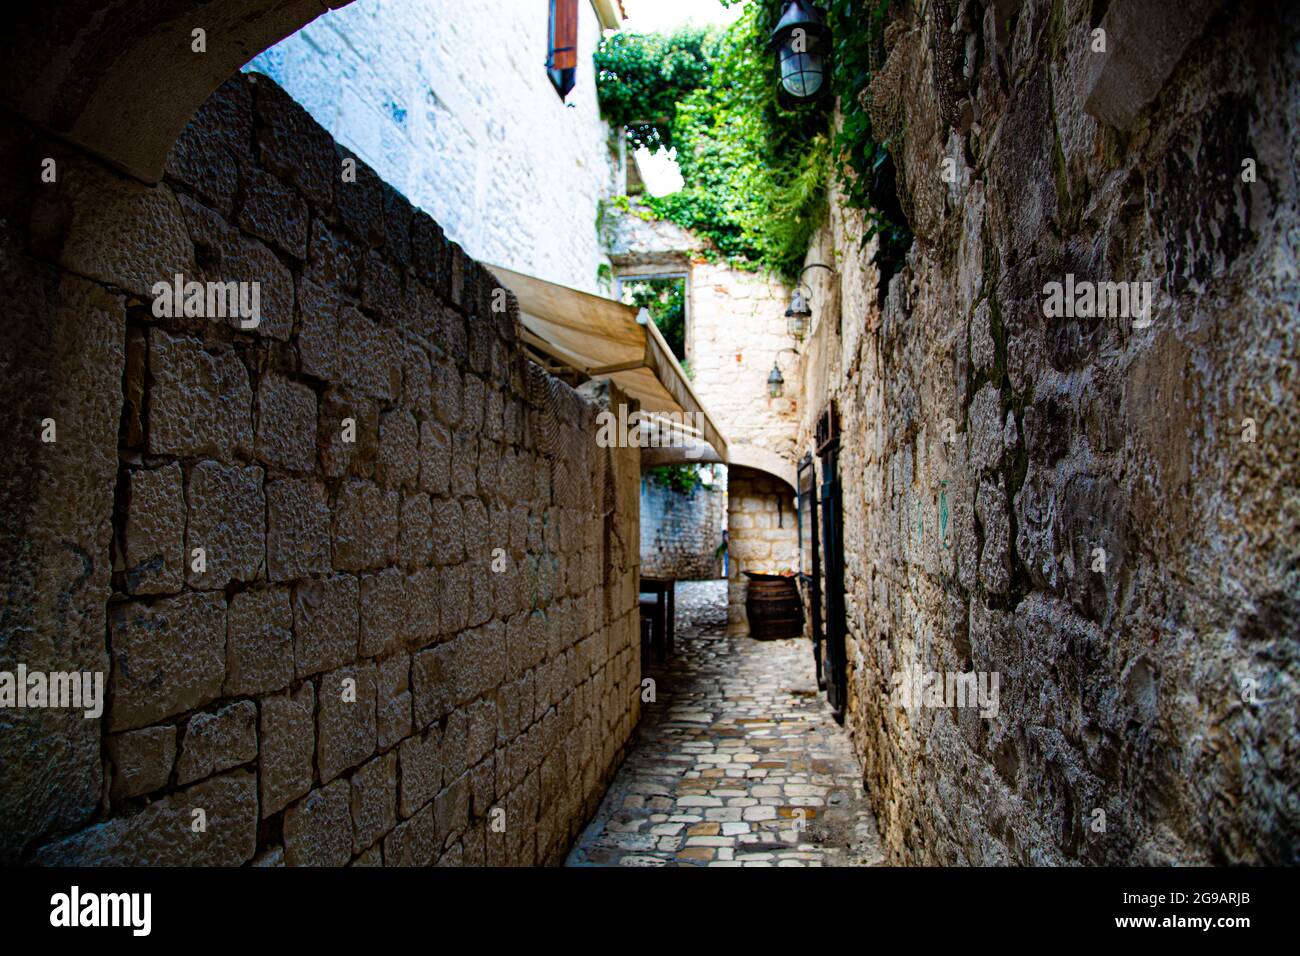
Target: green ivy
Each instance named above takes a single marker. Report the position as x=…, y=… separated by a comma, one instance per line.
x=683, y=479
x=755, y=173
x=665, y=300
x=640, y=78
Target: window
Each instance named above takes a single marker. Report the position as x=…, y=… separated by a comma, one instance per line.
x=665, y=297
x=562, y=46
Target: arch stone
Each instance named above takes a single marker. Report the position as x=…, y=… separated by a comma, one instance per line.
x=122, y=80
x=764, y=460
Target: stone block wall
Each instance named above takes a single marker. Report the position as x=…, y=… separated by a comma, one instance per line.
x=360, y=580
x=763, y=535
x=681, y=532
x=1102, y=513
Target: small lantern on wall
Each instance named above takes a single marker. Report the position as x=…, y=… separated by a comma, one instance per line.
x=798, y=315
x=801, y=41
x=800, y=312
x=775, y=380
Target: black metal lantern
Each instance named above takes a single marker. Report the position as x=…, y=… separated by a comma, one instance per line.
x=799, y=313
x=775, y=382
x=801, y=41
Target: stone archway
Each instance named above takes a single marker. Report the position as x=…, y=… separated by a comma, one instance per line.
x=123, y=82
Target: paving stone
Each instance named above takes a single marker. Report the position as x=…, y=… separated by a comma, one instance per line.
x=737, y=746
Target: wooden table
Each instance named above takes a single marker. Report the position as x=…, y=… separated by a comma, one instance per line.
x=665, y=594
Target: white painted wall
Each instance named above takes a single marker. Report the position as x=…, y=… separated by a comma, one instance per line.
x=449, y=101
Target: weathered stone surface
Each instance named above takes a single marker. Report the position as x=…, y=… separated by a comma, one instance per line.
x=435, y=458
x=421, y=766
x=432, y=684
x=163, y=833
x=374, y=801
x=365, y=526
x=155, y=526
x=346, y=733
x=293, y=145
x=218, y=741
x=393, y=700
x=200, y=402
x=413, y=842
x=227, y=519
x=368, y=356
x=111, y=229
x=226, y=256
x=423, y=595
x=168, y=657
x=259, y=645
x=326, y=623
x=318, y=828
x=297, y=529
x=213, y=148
x=142, y=760
x=288, y=743
x=383, y=612
x=286, y=423
x=399, y=439
x=274, y=212
x=416, y=540
x=447, y=532
x=349, y=434
x=318, y=329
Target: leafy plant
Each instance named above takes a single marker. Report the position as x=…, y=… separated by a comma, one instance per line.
x=683, y=479
x=665, y=300
x=755, y=172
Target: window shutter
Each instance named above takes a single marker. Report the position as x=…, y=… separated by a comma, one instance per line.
x=562, y=57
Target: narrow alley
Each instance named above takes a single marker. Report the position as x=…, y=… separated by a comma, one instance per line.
x=738, y=763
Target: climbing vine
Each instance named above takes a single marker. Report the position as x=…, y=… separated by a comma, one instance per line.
x=755, y=172
x=683, y=479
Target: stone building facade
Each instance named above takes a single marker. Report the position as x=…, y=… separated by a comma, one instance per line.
x=1099, y=510
x=361, y=581
x=451, y=105
x=681, y=531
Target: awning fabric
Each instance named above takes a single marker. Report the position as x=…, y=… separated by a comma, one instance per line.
x=602, y=338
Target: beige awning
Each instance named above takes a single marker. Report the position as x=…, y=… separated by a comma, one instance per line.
x=601, y=338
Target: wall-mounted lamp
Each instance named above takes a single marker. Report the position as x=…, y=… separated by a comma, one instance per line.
x=800, y=312
x=801, y=41
x=775, y=381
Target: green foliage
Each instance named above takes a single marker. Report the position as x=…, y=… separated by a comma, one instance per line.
x=756, y=172
x=863, y=165
x=665, y=300
x=683, y=479
x=642, y=77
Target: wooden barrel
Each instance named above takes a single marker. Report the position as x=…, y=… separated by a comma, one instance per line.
x=773, y=606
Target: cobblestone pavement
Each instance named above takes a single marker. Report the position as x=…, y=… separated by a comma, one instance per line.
x=739, y=762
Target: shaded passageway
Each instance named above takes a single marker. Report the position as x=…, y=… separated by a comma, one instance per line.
x=739, y=761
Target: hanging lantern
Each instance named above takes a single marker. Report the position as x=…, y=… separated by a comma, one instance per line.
x=775, y=382
x=798, y=315
x=801, y=41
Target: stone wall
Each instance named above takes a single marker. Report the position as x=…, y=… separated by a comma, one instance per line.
x=1103, y=513
x=415, y=612
x=763, y=535
x=681, y=532
x=451, y=104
